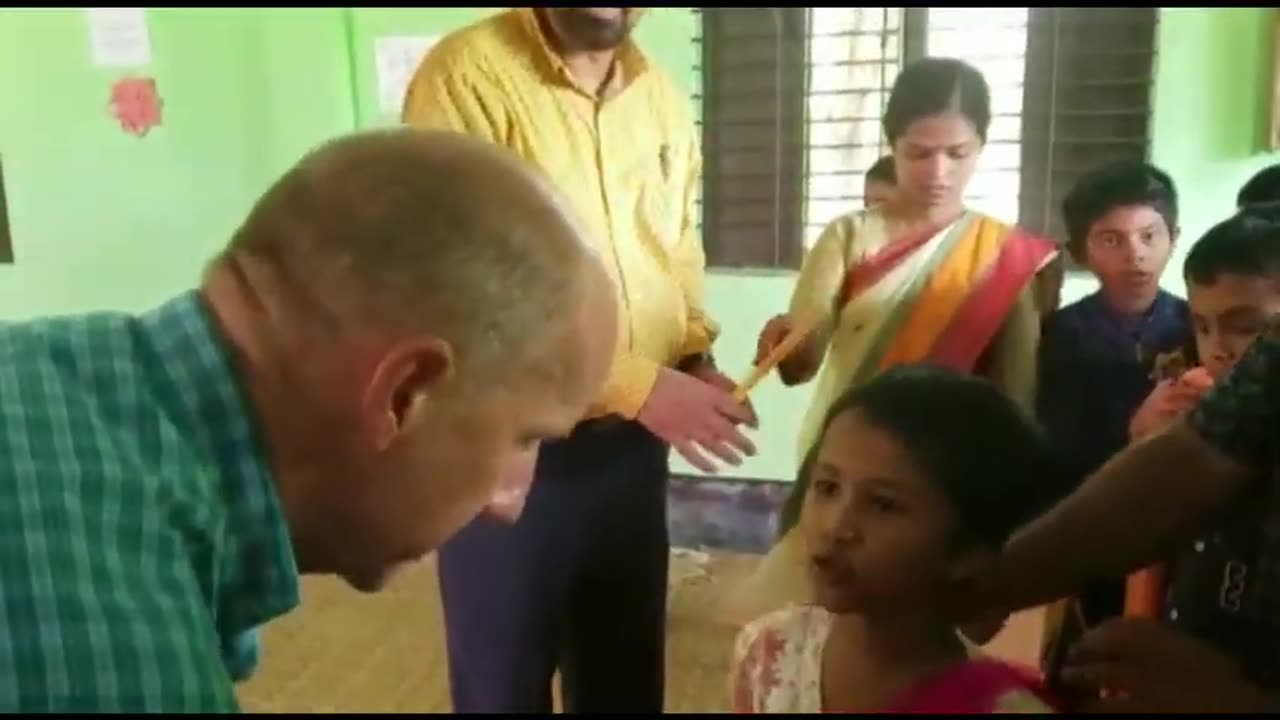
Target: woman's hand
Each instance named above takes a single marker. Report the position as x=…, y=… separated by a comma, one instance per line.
x=778, y=327
x=796, y=367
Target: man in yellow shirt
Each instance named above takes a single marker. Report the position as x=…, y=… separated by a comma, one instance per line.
x=579, y=583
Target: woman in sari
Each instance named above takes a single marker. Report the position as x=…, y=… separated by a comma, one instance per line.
x=919, y=279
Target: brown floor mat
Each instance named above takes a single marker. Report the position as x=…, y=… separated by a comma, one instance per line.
x=346, y=652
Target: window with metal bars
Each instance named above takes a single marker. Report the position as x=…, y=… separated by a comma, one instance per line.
x=1089, y=79
x=994, y=40
x=752, y=93
x=791, y=100
x=854, y=57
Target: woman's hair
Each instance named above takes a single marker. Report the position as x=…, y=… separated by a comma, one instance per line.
x=932, y=86
x=986, y=456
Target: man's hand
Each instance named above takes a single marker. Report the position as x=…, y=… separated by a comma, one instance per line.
x=1142, y=666
x=708, y=373
x=693, y=415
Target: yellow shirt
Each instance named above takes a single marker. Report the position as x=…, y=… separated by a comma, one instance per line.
x=629, y=163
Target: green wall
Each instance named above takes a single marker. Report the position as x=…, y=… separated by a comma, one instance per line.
x=102, y=219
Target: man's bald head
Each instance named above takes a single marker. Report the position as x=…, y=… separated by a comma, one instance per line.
x=407, y=229
x=414, y=312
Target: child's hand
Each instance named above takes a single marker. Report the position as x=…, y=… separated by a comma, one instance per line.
x=1197, y=379
x=1169, y=400
x=1149, y=668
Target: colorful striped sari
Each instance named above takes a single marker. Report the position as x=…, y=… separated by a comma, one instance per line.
x=939, y=297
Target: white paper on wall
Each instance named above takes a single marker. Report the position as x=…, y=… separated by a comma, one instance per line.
x=118, y=37
x=396, y=58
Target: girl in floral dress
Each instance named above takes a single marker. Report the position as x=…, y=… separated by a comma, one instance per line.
x=918, y=478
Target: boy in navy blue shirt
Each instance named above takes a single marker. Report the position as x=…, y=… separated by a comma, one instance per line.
x=1098, y=355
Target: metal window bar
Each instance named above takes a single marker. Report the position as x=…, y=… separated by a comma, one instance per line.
x=1084, y=99
x=752, y=97
x=1088, y=81
x=853, y=64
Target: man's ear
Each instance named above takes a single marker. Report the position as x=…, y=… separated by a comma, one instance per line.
x=401, y=386
x=1175, y=234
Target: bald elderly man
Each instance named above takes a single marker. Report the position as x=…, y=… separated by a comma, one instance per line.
x=580, y=583
x=372, y=360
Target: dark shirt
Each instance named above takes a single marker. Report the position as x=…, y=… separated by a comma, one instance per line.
x=1095, y=370
x=1225, y=590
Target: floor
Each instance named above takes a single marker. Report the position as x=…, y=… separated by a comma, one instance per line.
x=346, y=652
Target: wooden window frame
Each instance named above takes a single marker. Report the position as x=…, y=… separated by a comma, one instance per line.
x=756, y=220
x=1087, y=100
x=753, y=63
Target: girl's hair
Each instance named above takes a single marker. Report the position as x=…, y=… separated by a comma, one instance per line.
x=986, y=456
x=932, y=86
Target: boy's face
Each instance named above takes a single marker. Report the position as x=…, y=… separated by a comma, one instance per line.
x=876, y=193
x=1127, y=249
x=1228, y=314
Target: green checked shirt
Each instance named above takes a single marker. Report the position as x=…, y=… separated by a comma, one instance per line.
x=142, y=538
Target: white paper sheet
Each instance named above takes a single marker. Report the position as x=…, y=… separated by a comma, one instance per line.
x=396, y=58
x=118, y=37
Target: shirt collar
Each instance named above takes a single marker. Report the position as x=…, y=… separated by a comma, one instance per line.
x=1161, y=308
x=629, y=65
x=258, y=575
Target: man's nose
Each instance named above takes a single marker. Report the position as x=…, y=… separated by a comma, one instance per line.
x=508, y=498
x=507, y=506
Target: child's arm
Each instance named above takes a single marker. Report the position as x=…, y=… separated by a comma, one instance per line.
x=1171, y=399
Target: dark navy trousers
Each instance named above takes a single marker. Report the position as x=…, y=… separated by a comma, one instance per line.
x=578, y=584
